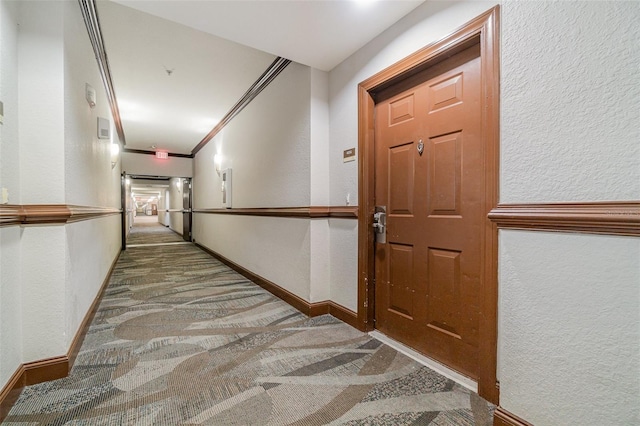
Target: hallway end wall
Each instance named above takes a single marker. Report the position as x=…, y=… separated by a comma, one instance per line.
x=149, y=165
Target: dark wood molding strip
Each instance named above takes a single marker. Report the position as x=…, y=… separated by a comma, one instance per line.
x=502, y=417
x=314, y=212
x=610, y=218
x=11, y=214
x=145, y=152
x=49, y=214
x=310, y=309
x=79, y=213
x=54, y=368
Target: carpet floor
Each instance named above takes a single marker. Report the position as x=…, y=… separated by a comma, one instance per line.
x=179, y=338
x=147, y=230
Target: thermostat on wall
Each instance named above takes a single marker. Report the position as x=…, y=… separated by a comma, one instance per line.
x=103, y=128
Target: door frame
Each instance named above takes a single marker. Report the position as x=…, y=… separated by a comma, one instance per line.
x=485, y=29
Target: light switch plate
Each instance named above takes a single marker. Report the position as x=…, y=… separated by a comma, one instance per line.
x=5, y=195
x=1, y=113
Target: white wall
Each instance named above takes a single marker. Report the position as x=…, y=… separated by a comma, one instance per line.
x=10, y=288
x=570, y=304
x=50, y=154
x=149, y=165
x=570, y=328
x=570, y=107
x=41, y=105
x=175, y=202
x=277, y=249
x=163, y=217
x=89, y=176
x=268, y=146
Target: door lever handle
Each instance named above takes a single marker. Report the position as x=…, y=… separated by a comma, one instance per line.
x=380, y=224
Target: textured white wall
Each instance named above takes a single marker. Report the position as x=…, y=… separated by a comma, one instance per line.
x=319, y=258
x=89, y=178
x=43, y=257
x=344, y=262
x=92, y=246
x=569, y=322
x=9, y=148
x=50, y=154
x=10, y=303
x=277, y=249
x=570, y=328
x=268, y=147
x=319, y=150
x=41, y=106
x=427, y=23
x=10, y=289
x=145, y=164
x=570, y=110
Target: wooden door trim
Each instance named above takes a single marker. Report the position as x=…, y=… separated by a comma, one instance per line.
x=484, y=28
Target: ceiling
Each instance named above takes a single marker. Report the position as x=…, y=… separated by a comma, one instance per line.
x=144, y=191
x=178, y=66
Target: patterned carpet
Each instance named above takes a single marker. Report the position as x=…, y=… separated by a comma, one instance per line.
x=179, y=338
x=147, y=230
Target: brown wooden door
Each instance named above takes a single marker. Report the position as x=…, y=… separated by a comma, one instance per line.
x=429, y=271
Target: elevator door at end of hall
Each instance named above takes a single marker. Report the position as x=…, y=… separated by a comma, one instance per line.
x=429, y=174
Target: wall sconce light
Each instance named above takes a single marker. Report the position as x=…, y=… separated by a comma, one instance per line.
x=217, y=162
x=115, y=152
x=90, y=95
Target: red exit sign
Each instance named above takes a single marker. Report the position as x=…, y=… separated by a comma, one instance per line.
x=162, y=155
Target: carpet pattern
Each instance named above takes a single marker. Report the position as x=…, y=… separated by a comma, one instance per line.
x=179, y=338
x=150, y=232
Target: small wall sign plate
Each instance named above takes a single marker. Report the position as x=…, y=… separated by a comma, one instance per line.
x=349, y=155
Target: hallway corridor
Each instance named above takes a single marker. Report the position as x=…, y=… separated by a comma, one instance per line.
x=179, y=338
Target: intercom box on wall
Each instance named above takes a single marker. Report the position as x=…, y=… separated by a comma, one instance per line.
x=226, y=188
